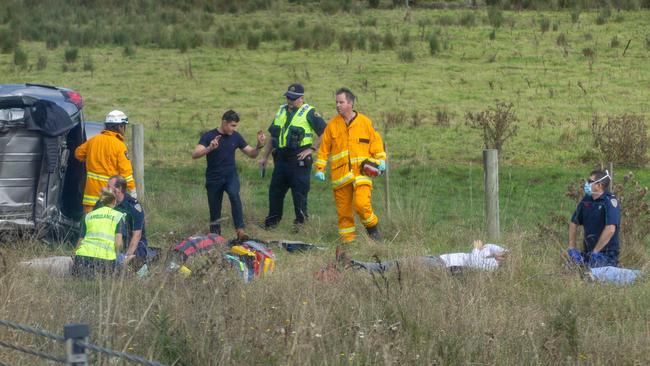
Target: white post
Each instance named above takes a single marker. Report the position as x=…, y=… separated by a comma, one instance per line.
x=491, y=179
x=138, y=159
x=387, y=186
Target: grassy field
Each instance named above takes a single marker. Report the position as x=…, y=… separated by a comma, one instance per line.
x=557, y=73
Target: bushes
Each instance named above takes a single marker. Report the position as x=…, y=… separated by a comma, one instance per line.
x=434, y=44
x=406, y=55
x=20, y=58
x=622, y=139
x=497, y=124
x=70, y=55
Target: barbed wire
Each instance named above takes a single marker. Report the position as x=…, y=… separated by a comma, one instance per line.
x=32, y=352
x=90, y=346
x=29, y=329
x=110, y=352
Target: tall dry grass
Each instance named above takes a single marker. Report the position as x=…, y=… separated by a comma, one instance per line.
x=527, y=312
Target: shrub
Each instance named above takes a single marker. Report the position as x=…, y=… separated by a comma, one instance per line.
x=589, y=53
x=20, y=58
x=406, y=55
x=52, y=41
x=544, y=24
x=603, y=15
x=614, y=42
x=561, y=40
x=622, y=139
x=253, y=41
x=575, y=15
x=647, y=42
x=88, y=64
x=498, y=124
x=493, y=34
x=495, y=17
x=375, y=45
x=445, y=20
x=556, y=25
x=322, y=36
x=70, y=55
x=434, y=44
x=442, y=118
x=360, y=40
x=405, y=38
x=41, y=63
x=389, y=41
x=346, y=41
x=369, y=22
x=128, y=51
x=373, y=4
x=8, y=41
x=467, y=19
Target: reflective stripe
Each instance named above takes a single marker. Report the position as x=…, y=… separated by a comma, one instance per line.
x=343, y=180
x=361, y=180
x=347, y=230
x=90, y=200
x=321, y=162
x=342, y=154
x=129, y=178
x=98, y=243
x=101, y=236
x=98, y=177
x=380, y=156
x=358, y=159
x=369, y=220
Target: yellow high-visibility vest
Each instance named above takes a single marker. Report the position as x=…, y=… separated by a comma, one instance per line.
x=99, y=241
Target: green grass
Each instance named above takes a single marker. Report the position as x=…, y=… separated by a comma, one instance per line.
x=528, y=313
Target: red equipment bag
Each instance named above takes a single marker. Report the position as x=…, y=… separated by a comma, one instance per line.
x=199, y=243
x=370, y=168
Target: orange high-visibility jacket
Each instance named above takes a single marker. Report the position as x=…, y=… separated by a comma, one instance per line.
x=105, y=155
x=347, y=147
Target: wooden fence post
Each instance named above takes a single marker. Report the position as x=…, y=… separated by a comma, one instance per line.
x=387, y=185
x=138, y=159
x=491, y=183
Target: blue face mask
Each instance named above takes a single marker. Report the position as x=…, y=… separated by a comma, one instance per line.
x=587, y=186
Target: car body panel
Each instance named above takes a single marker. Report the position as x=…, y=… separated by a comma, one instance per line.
x=32, y=196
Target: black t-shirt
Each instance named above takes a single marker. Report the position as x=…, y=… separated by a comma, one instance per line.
x=221, y=161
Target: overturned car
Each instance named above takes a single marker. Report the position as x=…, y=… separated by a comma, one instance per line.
x=41, y=183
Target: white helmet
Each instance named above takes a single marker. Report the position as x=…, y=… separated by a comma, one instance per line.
x=117, y=117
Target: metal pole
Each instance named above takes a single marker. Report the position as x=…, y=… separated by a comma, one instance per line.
x=75, y=355
x=491, y=178
x=138, y=159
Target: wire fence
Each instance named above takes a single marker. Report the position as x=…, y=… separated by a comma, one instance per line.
x=76, y=345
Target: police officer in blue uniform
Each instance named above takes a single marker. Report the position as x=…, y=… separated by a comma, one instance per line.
x=599, y=212
x=135, y=240
x=295, y=135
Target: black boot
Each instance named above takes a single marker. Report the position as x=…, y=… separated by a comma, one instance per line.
x=373, y=233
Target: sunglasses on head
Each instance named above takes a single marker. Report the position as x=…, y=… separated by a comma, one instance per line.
x=591, y=181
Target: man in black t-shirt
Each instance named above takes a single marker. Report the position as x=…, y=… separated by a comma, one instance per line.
x=219, y=146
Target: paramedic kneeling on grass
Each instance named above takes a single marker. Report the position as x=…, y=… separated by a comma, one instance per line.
x=219, y=146
x=599, y=212
x=101, y=238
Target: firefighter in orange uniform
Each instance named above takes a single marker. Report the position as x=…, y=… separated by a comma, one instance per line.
x=106, y=155
x=350, y=142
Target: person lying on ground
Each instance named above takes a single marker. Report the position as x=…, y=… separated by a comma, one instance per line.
x=101, y=238
x=482, y=256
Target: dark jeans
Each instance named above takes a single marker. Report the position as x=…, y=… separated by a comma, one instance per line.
x=230, y=185
x=430, y=261
x=287, y=174
x=89, y=266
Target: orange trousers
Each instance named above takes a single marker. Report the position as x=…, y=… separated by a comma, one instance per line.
x=348, y=200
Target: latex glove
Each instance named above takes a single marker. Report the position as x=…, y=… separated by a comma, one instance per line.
x=320, y=176
x=382, y=165
x=576, y=256
x=121, y=258
x=597, y=260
